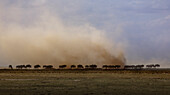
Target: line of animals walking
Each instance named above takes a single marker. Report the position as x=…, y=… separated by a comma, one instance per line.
x=93, y=66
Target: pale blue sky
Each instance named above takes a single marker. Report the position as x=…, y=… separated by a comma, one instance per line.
x=144, y=24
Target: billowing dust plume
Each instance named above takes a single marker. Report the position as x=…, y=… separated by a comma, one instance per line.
x=51, y=42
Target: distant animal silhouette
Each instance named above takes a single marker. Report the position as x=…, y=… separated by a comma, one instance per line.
x=117, y=66
x=80, y=66
x=20, y=66
x=87, y=66
x=90, y=66
x=48, y=66
x=105, y=66
x=129, y=67
x=93, y=66
x=152, y=65
x=111, y=66
x=73, y=66
x=10, y=66
x=157, y=65
x=37, y=66
x=28, y=66
x=139, y=66
x=62, y=66
x=133, y=66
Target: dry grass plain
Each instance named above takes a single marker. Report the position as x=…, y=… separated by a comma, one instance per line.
x=84, y=82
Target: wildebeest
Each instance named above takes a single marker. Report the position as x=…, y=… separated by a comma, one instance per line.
x=62, y=66
x=108, y=66
x=152, y=65
x=73, y=66
x=129, y=67
x=93, y=66
x=80, y=66
x=10, y=66
x=157, y=65
x=48, y=66
x=28, y=66
x=87, y=66
x=90, y=66
x=105, y=66
x=139, y=66
x=133, y=66
x=20, y=66
x=117, y=66
x=111, y=66
x=37, y=66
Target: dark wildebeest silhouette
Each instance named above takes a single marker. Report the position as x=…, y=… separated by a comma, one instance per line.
x=126, y=67
x=157, y=65
x=129, y=67
x=110, y=66
x=80, y=66
x=37, y=66
x=24, y=66
x=10, y=66
x=28, y=66
x=105, y=66
x=48, y=67
x=150, y=66
x=20, y=66
x=87, y=66
x=139, y=66
x=73, y=66
x=117, y=66
x=44, y=66
x=62, y=66
x=93, y=66
x=90, y=66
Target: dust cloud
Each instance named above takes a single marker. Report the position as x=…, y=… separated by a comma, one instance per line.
x=49, y=41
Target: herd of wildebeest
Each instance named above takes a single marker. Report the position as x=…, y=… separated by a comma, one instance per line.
x=93, y=66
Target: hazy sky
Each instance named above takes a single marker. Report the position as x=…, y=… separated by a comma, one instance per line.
x=142, y=27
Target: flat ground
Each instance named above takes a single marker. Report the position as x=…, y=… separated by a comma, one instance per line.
x=89, y=82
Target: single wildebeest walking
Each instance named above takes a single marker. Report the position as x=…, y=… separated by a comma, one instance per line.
x=109, y=66
x=20, y=66
x=80, y=66
x=48, y=66
x=24, y=66
x=129, y=67
x=37, y=66
x=117, y=66
x=139, y=66
x=90, y=66
x=150, y=66
x=157, y=65
x=10, y=66
x=73, y=66
x=87, y=66
x=93, y=66
x=62, y=66
x=105, y=66
x=28, y=66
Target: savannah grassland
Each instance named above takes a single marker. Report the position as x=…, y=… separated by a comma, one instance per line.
x=84, y=82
